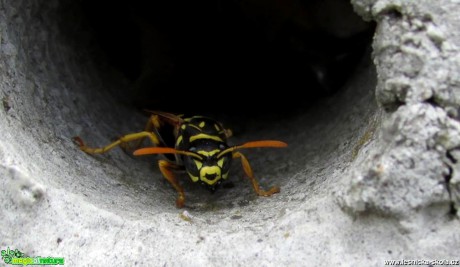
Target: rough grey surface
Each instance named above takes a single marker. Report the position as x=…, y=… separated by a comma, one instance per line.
x=359, y=185
x=417, y=66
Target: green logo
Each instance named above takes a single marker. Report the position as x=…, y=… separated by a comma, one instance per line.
x=16, y=257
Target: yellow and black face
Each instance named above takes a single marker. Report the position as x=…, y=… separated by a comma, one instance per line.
x=204, y=139
x=209, y=166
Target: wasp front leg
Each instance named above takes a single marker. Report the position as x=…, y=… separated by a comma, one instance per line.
x=248, y=170
x=125, y=139
x=153, y=125
x=166, y=169
x=156, y=121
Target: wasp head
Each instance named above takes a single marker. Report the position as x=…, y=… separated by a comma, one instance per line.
x=208, y=165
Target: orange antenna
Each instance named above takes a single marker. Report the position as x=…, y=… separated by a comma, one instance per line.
x=254, y=144
x=164, y=150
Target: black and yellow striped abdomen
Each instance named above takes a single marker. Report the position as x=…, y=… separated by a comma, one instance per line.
x=198, y=127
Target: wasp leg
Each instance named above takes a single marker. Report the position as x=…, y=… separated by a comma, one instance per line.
x=166, y=169
x=247, y=169
x=121, y=141
x=153, y=124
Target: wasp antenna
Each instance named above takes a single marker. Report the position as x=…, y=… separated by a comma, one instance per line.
x=262, y=143
x=164, y=150
x=254, y=144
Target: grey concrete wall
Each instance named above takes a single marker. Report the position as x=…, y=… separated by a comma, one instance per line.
x=362, y=181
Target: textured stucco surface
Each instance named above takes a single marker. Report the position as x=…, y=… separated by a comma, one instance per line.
x=416, y=54
x=362, y=181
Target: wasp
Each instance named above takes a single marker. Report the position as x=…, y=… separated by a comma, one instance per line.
x=200, y=149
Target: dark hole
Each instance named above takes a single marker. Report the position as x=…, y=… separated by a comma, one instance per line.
x=229, y=56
